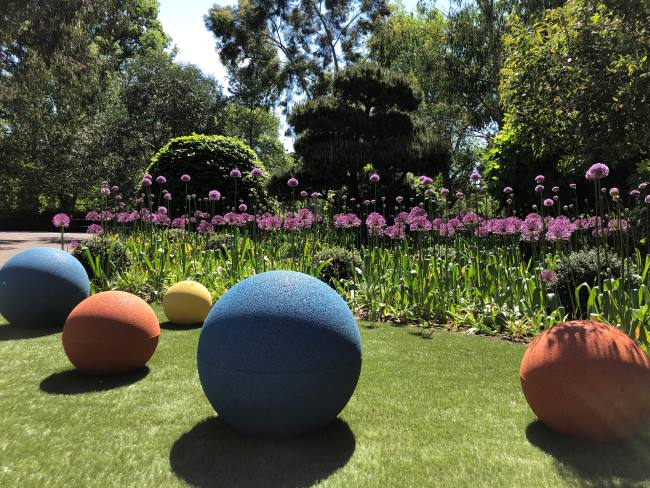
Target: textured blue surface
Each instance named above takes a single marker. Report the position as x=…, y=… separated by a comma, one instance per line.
x=279, y=354
x=39, y=287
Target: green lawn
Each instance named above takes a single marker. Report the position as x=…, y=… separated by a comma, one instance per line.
x=440, y=411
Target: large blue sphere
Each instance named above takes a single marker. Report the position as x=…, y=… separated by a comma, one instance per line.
x=39, y=287
x=279, y=354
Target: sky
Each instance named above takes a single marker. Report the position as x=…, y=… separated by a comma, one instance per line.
x=182, y=20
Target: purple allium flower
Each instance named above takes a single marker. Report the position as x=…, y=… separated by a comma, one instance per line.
x=555, y=189
x=292, y=182
x=185, y=178
x=597, y=171
x=635, y=193
x=214, y=195
x=235, y=173
x=507, y=189
x=257, y=173
x=161, y=180
x=105, y=190
x=162, y=210
x=548, y=202
x=613, y=192
x=643, y=185
x=399, y=199
x=475, y=176
x=204, y=227
x=618, y=224
x=242, y=207
x=94, y=229
x=375, y=223
x=146, y=182
x=539, y=179
x=61, y=220
x=167, y=196
x=647, y=199
x=428, y=193
x=316, y=195
x=366, y=202
x=460, y=195
x=374, y=178
x=425, y=180
x=548, y=276
x=269, y=222
x=539, y=188
x=444, y=192
x=303, y=194
x=346, y=221
x=93, y=216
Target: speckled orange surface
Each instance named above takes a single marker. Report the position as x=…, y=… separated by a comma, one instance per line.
x=587, y=380
x=111, y=332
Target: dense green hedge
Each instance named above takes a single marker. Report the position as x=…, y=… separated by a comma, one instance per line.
x=208, y=159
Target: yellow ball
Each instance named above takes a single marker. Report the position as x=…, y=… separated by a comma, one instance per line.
x=187, y=302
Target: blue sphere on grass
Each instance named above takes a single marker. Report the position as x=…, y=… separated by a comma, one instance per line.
x=279, y=355
x=40, y=286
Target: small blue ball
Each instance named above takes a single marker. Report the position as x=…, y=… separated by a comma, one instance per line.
x=279, y=355
x=39, y=287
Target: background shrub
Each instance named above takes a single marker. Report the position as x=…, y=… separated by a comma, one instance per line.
x=111, y=252
x=208, y=160
x=343, y=261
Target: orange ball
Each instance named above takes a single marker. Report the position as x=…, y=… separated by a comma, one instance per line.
x=111, y=332
x=587, y=380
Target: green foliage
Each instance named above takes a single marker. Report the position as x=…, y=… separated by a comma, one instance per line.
x=208, y=160
x=574, y=88
x=341, y=263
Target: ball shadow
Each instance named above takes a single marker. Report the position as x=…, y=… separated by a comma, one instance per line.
x=72, y=382
x=10, y=332
x=599, y=462
x=212, y=454
x=173, y=326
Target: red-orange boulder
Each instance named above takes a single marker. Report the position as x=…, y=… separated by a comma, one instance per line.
x=587, y=380
x=111, y=332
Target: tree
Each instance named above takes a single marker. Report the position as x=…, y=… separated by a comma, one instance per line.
x=59, y=63
x=259, y=128
x=310, y=38
x=575, y=88
x=368, y=118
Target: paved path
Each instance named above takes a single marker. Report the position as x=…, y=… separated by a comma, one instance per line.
x=13, y=242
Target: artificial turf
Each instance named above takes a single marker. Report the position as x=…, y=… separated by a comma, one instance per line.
x=444, y=410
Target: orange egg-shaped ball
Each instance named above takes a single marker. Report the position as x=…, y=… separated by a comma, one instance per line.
x=110, y=333
x=587, y=380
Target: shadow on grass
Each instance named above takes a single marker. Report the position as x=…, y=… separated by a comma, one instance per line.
x=9, y=332
x=173, y=326
x=213, y=454
x=604, y=464
x=72, y=382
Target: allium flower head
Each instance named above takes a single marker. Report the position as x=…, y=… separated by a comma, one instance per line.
x=242, y=207
x=235, y=173
x=146, y=182
x=444, y=192
x=257, y=173
x=555, y=189
x=94, y=229
x=214, y=195
x=61, y=220
x=548, y=202
x=643, y=185
x=167, y=196
x=185, y=178
x=475, y=176
x=428, y=192
x=315, y=195
x=374, y=178
x=162, y=210
x=635, y=193
x=304, y=194
x=597, y=171
x=613, y=192
x=399, y=199
x=161, y=180
x=539, y=179
x=425, y=180
x=292, y=182
x=507, y=189
x=647, y=199
x=548, y=276
x=105, y=190
x=460, y=195
x=573, y=186
x=539, y=188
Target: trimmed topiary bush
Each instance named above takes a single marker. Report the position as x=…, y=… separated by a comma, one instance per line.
x=343, y=261
x=208, y=160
